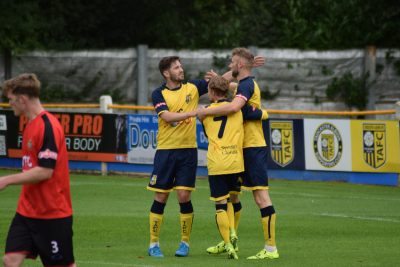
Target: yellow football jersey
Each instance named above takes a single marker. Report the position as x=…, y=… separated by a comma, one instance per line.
x=225, y=142
x=253, y=132
x=182, y=99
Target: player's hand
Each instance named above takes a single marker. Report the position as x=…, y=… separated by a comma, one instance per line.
x=209, y=75
x=192, y=113
x=201, y=113
x=258, y=61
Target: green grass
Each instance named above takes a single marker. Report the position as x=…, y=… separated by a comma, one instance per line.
x=318, y=224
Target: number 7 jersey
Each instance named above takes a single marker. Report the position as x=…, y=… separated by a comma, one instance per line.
x=225, y=142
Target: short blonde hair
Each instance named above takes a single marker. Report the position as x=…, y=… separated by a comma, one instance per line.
x=219, y=85
x=245, y=54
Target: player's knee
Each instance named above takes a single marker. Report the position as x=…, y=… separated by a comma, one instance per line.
x=262, y=198
x=11, y=260
x=234, y=198
x=183, y=195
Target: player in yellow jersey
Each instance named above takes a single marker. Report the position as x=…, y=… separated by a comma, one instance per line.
x=225, y=138
x=175, y=162
x=254, y=147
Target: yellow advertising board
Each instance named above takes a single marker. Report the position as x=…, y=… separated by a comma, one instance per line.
x=375, y=146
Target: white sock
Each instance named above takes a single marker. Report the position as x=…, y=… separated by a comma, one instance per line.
x=152, y=245
x=270, y=248
x=186, y=243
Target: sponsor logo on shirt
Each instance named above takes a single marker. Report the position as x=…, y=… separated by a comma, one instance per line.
x=29, y=144
x=47, y=154
x=188, y=98
x=26, y=162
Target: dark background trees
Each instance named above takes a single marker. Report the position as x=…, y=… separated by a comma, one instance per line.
x=97, y=24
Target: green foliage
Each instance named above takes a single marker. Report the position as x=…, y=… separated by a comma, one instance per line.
x=379, y=69
x=326, y=71
x=304, y=24
x=353, y=91
x=267, y=95
x=58, y=94
x=390, y=60
x=20, y=25
x=116, y=95
x=317, y=101
x=220, y=63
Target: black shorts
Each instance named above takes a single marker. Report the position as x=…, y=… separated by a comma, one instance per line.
x=255, y=168
x=51, y=239
x=174, y=169
x=221, y=186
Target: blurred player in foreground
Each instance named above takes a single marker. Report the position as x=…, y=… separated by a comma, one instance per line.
x=42, y=224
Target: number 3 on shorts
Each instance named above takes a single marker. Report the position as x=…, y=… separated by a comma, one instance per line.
x=54, y=246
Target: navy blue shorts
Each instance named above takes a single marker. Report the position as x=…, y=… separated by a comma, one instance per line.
x=51, y=239
x=223, y=185
x=255, y=166
x=174, y=169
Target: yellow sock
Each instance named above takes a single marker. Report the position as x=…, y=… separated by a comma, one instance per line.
x=237, y=219
x=231, y=217
x=223, y=224
x=186, y=225
x=268, y=224
x=155, y=226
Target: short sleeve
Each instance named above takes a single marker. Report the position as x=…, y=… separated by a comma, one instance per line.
x=245, y=89
x=48, y=153
x=158, y=101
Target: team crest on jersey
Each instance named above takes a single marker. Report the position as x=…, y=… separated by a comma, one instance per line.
x=188, y=98
x=281, y=145
x=374, y=144
x=29, y=144
x=153, y=179
x=328, y=145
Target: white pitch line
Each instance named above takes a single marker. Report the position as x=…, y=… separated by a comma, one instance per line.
x=326, y=196
x=358, y=217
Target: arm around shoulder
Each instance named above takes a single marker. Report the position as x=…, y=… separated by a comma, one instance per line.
x=170, y=117
x=232, y=107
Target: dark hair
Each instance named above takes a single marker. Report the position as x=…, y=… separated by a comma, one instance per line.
x=165, y=63
x=24, y=84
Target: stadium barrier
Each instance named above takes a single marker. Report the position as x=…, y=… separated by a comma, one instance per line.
x=351, y=150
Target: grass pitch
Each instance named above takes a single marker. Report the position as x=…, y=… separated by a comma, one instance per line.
x=318, y=224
